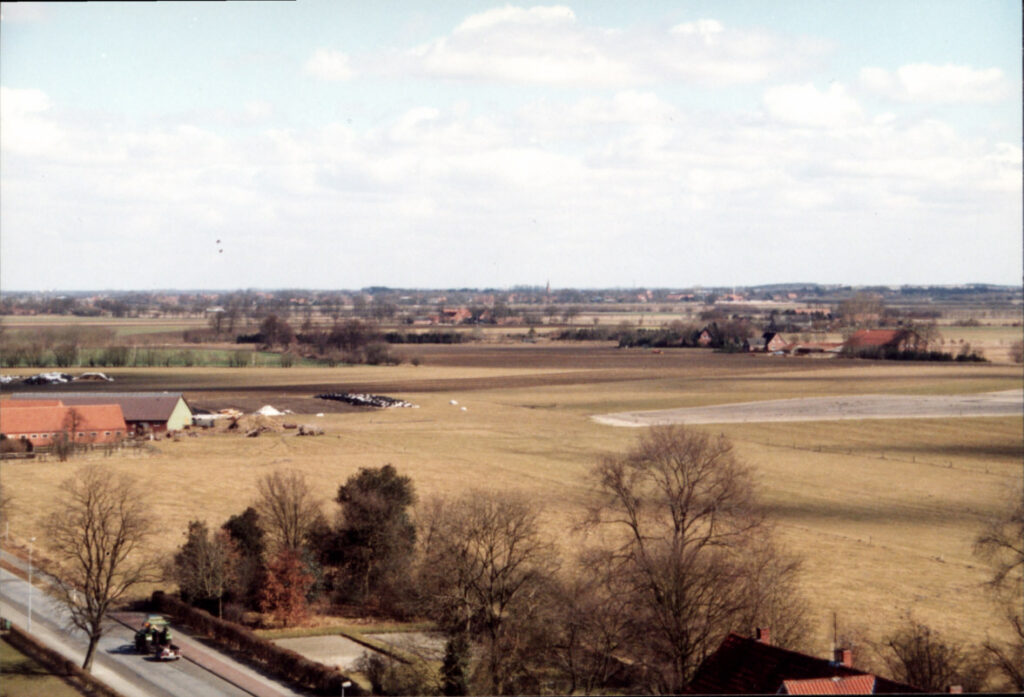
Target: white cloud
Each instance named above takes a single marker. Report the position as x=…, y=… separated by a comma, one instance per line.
x=937, y=84
x=258, y=110
x=629, y=184
x=805, y=105
x=23, y=12
x=517, y=15
x=330, y=65
x=25, y=124
x=547, y=45
x=707, y=29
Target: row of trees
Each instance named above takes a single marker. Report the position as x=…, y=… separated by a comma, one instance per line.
x=676, y=552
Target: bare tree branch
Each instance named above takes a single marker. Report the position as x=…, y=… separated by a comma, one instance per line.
x=97, y=537
x=287, y=507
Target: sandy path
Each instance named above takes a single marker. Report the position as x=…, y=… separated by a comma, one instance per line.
x=872, y=406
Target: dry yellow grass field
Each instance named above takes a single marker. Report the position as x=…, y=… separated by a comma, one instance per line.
x=884, y=512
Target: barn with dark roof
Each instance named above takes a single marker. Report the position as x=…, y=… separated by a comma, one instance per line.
x=143, y=411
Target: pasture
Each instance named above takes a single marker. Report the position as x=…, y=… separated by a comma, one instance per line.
x=884, y=512
x=25, y=677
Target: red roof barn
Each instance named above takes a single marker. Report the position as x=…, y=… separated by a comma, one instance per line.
x=39, y=426
x=898, y=339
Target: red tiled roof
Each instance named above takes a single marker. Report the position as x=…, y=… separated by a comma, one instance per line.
x=746, y=666
x=16, y=421
x=32, y=419
x=875, y=337
x=852, y=685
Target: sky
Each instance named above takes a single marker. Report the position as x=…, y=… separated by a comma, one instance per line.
x=324, y=144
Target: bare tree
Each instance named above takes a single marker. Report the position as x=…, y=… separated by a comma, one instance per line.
x=206, y=566
x=768, y=592
x=680, y=518
x=1001, y=543
x=485, y=568
x=97, y=536
x=7, y=505
x=287, y=507
x=863, y=309
x=918, y=656
x=66, y=442
x=594, y=625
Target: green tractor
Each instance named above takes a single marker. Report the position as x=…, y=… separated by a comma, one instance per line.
x=155, y=639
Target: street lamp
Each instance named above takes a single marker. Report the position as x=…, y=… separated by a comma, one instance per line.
x=30, y=584
x=347, y=683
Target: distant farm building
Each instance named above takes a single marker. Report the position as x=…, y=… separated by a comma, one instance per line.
x=26, y=427
x=143, y=412
x=769, y=342
x=885, y=339
x=452, y=315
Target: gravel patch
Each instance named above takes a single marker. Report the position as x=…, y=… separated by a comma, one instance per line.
x=422, y=644
x=331, y=650
x=874, y=406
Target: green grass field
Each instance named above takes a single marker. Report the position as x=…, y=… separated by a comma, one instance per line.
x=884, y=512
x=20, y=676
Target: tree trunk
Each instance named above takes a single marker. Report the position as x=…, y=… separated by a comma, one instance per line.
x=90, y=652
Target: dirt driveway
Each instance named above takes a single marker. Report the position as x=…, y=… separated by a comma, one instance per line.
x=876, y=406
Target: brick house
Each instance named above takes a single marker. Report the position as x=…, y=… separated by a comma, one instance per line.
x=450, y=315
x=769, y=342
x=38, y=426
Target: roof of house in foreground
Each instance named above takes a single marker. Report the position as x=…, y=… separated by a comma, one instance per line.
x=136, y=406
x=747, y=666
x=851, y=685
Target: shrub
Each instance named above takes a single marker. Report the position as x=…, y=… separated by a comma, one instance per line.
x=378, y=353
x=1017, y=352
x=114, y=356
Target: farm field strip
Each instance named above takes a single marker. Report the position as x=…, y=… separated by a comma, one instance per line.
x=877, y=406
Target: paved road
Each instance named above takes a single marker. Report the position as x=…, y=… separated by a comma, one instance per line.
x=116, y=662
x=876, y=406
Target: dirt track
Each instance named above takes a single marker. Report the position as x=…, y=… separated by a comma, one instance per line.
x=877, y=406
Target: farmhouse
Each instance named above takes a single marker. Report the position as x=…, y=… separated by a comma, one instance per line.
x=143, y=411
x=769, y=342
x=744, y=665
x=39, y=425
x=707, y=336
x=882, y=339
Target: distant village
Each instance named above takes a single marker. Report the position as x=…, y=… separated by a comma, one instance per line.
x=519, y=304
